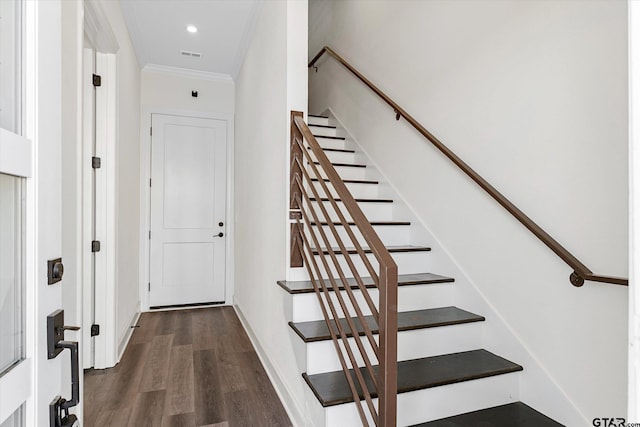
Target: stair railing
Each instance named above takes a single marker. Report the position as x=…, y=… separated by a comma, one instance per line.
x=580, y=271
x=319, y=199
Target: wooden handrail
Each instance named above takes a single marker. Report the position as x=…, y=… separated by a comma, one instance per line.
x=580, y=271
x=307, y=185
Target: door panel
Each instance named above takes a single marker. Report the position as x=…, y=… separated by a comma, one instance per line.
x=186, y=266
x=189, y=164
x=188, y=196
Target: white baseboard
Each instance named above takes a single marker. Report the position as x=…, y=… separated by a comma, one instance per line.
x=126, y=336
x=295, y=415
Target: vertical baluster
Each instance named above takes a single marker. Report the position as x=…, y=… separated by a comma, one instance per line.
x=295, y=192
x=385, y=381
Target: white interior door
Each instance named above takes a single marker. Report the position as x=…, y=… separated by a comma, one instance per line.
x=188, y=205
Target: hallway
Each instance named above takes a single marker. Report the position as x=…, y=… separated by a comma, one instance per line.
x=185, y=368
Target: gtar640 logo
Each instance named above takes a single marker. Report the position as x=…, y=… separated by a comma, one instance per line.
x=609, y=422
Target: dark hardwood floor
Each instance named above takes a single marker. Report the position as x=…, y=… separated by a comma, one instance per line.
x=186, y=368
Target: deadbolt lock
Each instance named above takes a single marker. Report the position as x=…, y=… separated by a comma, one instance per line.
x=55, y=271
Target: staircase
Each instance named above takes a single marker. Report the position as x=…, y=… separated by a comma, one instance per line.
x=445, y=376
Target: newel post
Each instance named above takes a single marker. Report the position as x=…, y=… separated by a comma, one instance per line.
x=388, y=359
x=295, y=193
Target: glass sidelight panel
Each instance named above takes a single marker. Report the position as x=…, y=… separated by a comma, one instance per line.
x=12, y=316
x=10, y=59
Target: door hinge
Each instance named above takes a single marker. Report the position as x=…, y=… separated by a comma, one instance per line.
x=96, y=162
x=150, y=131
x=149, y=286
x=95, y=330
x=97, y=80
x=95, y=246
x=149, y=182
x=149, y=234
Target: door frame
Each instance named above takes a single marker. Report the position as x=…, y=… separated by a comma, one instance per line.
x=105, y=345
x=98, y=31
x=145, y=196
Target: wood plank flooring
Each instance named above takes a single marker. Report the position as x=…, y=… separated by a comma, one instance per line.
x=187, y=368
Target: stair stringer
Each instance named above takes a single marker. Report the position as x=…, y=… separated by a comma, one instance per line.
x=537, y=386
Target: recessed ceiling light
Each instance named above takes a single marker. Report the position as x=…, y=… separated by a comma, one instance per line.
x=192, y=28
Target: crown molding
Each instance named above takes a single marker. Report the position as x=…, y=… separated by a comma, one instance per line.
x=184, y=72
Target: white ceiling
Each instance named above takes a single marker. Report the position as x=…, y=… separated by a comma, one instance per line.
x=158, y=32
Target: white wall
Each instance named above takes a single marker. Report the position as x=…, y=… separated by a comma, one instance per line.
x=271, y=80
x=633, y=412
x=533, y=95
x=163, y=90
x=127, y=193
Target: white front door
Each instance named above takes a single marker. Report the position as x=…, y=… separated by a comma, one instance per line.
x=188, y=205
x=30, y=209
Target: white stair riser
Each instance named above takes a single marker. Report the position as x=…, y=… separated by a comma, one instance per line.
x=390, y=235
x=408, y=263
x=358, y=191
x=322, y=357
x=317, y=120
x=345, y=172
x=320, y=130
x=438, y=402
x=306, y=307
x=373, y=211
x=338, y=156
x=333, y=143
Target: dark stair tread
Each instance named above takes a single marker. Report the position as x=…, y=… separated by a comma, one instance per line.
x=337, y=150
x=329, y=137
x=511, y=415
x=331, y=388
x=322, y=126
x=318, y=117
x=325, y=199
x=351, y=181
x=306, y=286
x=391, y=249
x=407, y=321
x=346, y=165
x=373, y=223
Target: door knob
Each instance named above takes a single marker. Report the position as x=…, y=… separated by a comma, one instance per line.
x=219, y=234
x=221, y=224
x=59, y=408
